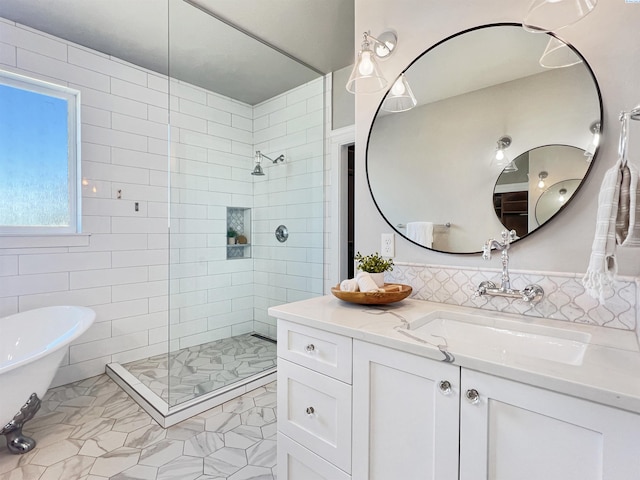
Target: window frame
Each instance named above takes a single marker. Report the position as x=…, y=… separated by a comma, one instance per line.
x=74, y=161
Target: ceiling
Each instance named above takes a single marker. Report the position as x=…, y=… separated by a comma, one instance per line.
x=177, y=37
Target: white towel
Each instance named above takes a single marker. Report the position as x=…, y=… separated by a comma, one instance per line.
x=628, y=218
x=366, y=283
x=602, y=263
x=421, y=232
x=350, y=285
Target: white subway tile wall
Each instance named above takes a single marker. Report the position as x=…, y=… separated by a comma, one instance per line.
x=290, y=194
x=146, y=286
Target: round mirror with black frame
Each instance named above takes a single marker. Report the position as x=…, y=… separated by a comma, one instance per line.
x=482, y=100
x=519, y=187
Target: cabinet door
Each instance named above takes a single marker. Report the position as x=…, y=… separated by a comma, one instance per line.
x=513, y=430
x=297, y=463
x=404, y=425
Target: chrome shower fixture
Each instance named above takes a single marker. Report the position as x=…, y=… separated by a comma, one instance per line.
x=262, y=155
x=257, y=169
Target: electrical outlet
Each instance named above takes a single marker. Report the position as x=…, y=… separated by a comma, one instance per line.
x=387, y=248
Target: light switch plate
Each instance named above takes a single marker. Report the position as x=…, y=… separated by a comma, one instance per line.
x=387, y=248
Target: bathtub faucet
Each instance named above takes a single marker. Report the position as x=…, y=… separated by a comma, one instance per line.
x=530, y=293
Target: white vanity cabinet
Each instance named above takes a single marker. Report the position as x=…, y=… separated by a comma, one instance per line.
x=511, y=430
x=355, y=408
x=405, y=415
x=314, y=404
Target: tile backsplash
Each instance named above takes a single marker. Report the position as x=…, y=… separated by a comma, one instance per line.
x=565, y=298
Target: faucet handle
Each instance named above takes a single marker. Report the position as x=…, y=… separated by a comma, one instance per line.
x=508, y=236
x=532, y=293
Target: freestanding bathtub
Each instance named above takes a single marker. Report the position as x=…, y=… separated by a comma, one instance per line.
x=31, y=349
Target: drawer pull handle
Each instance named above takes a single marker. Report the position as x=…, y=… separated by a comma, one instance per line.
x=445, y=387
x=310, y=348
x=473, y=396
x=310, y=411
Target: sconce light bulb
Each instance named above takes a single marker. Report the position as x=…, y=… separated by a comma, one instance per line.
x=562, y=193
x=499, y=154
x=541, y=184
x=366, y=63
x=398, y=87
x=596, y=139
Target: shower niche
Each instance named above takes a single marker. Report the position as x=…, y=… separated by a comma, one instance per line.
x=238, y=232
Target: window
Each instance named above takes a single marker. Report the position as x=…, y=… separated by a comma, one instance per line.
x=39, y=157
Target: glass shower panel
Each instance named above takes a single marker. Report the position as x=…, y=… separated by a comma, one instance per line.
x=226, y=266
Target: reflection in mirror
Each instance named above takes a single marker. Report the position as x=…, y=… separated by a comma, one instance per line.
x=431, y=165
x=554, y=198
x=516, y=193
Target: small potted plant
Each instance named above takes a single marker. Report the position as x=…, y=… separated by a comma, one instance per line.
x=375, y=265
x=231, y=236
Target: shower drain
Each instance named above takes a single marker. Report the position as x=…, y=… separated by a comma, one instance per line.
x=262, y=337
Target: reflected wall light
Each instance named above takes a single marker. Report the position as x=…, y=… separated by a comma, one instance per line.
x=366, y=76
x=549, y=15
x=541, y=176
x=557, y=54
x=561, y=195
x=400, y=98
x=594, y=128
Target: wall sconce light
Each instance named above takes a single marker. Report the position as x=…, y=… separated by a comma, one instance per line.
x=562, y=192
x=557, y=54
x=500, y=158
x=594, y=128
x=549, y=15
x=400, y=98
x=366, y=76
x=257, y=169
x=542, y=175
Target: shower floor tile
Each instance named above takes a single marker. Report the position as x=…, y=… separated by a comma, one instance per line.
x=92, y=430
x=188, y=373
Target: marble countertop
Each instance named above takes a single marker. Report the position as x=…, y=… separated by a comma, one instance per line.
x=609, y=373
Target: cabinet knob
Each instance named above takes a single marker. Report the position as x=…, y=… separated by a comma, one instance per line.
x=310, y=411
x=472, y=395
x=310, y=348
x=445, y=387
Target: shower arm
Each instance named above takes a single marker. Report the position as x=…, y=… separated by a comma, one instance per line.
x=260, y=155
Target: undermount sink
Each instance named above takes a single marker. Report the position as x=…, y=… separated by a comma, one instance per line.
x=500, y=339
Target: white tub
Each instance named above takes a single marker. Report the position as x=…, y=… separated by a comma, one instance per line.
x=31, y=349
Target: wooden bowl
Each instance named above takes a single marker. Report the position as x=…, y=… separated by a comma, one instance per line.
x=374, y=298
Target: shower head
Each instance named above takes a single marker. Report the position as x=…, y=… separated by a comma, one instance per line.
x=257, y=170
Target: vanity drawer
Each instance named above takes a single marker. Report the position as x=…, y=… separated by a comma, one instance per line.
x=318, y=350
x=297, y=463
x=315, y=411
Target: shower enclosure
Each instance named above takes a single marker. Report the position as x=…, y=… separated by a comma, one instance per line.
x=225, y=264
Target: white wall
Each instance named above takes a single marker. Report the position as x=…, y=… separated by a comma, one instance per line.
x=607, y=38
x=122, y=269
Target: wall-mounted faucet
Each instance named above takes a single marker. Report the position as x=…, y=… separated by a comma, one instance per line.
x=530, y=293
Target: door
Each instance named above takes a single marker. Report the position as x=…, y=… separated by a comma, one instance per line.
x=405, y=421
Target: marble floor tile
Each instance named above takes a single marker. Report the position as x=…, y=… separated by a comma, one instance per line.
x=111, y=438
x=188, y=373
x=161, y=453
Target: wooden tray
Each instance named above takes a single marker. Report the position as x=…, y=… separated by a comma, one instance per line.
x=373, y=298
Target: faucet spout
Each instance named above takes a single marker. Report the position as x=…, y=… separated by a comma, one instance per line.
x=530, y=293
